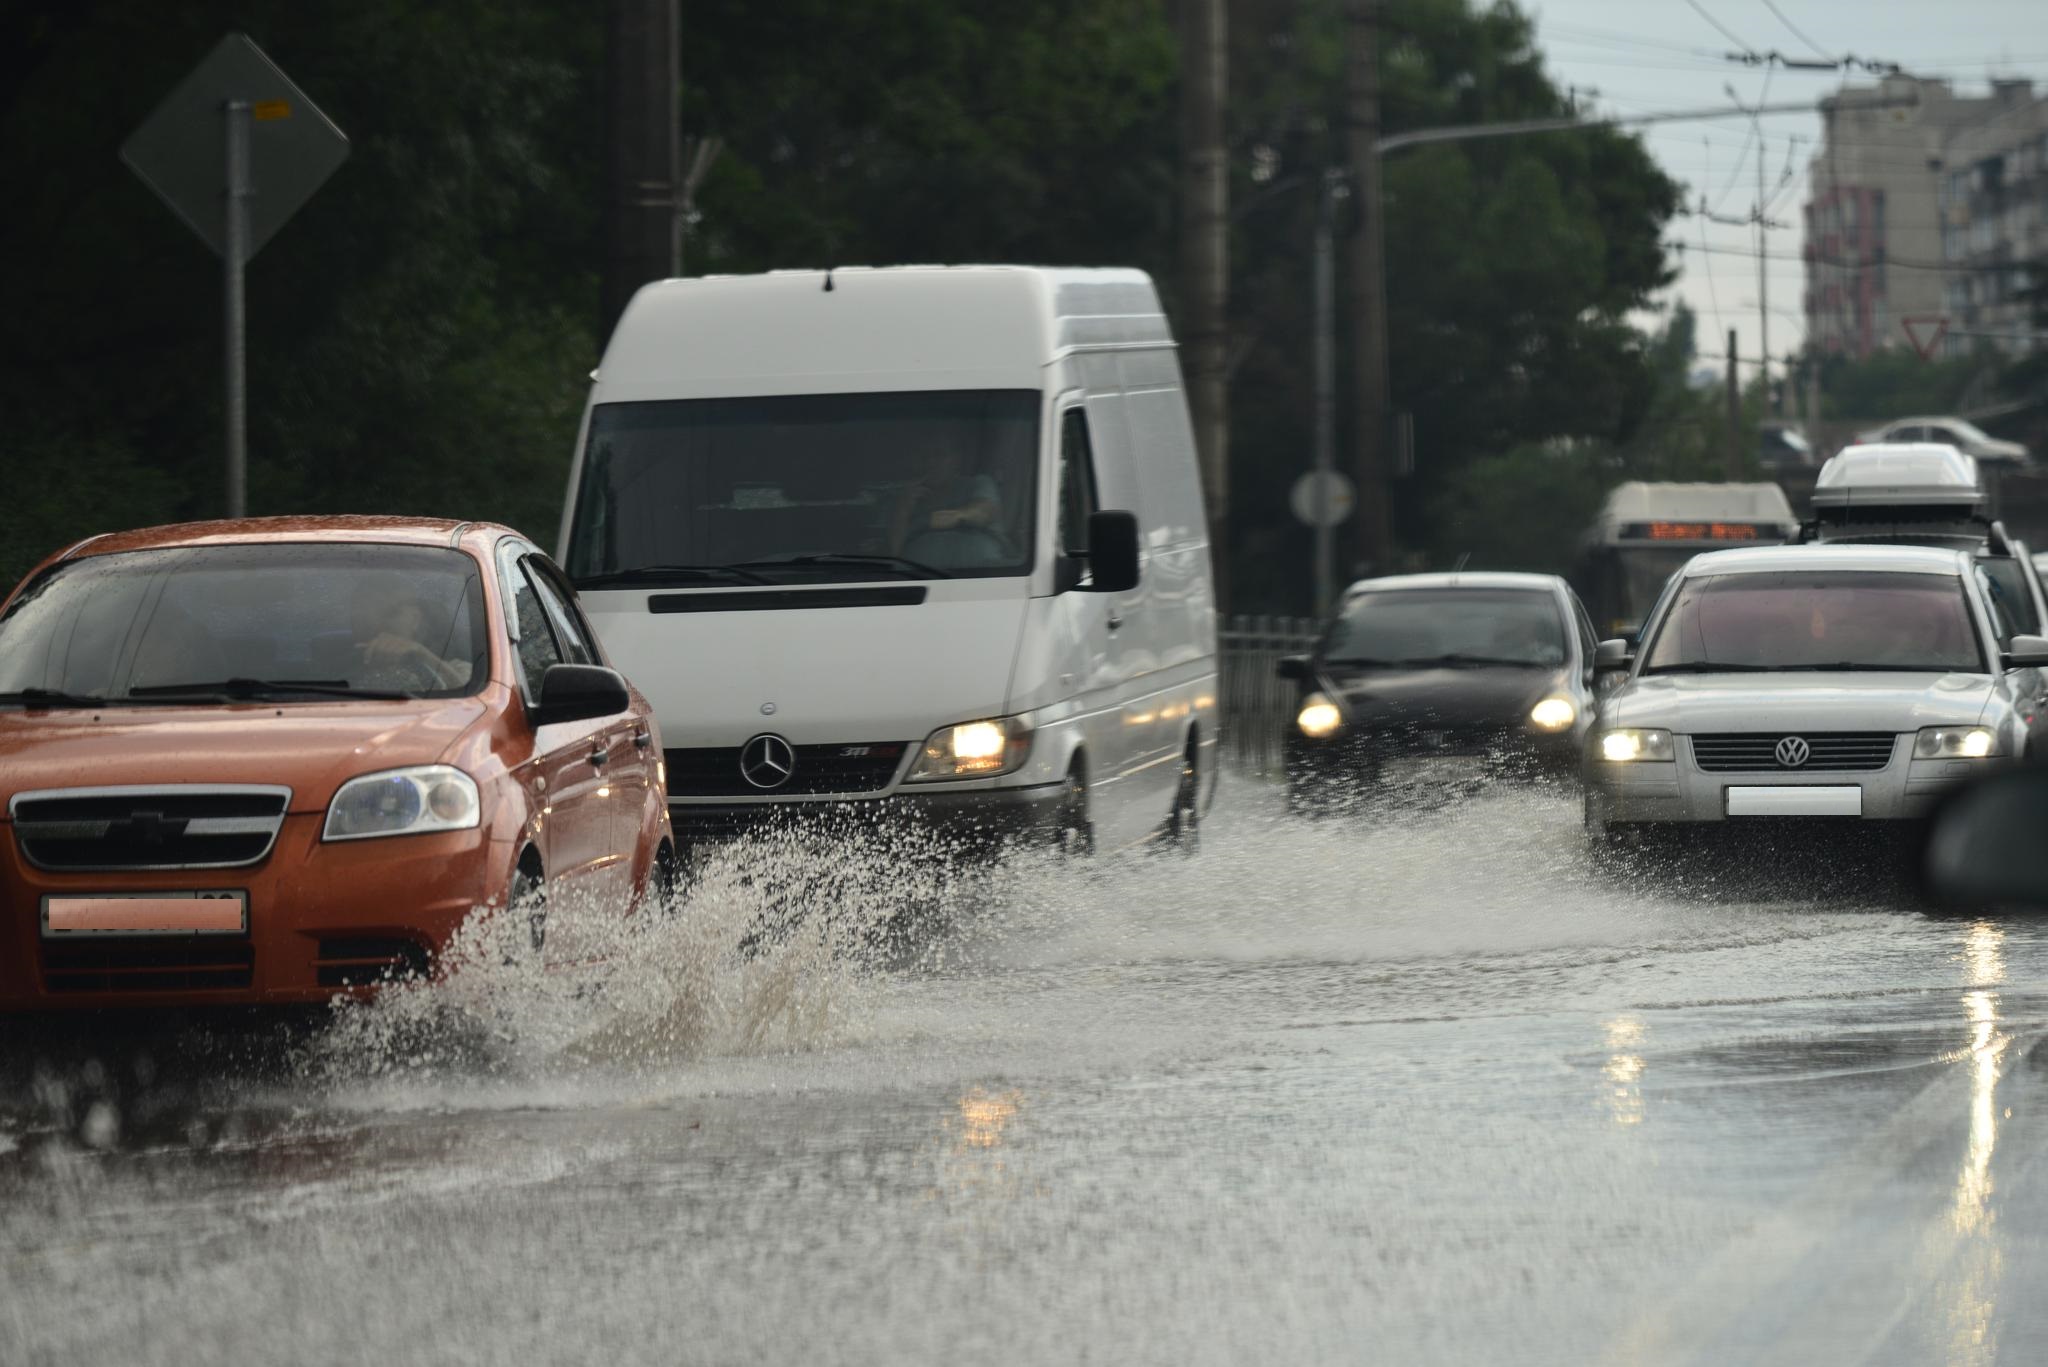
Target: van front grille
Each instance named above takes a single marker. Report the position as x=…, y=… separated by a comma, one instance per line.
x=176, y=826
x=859, y=767
x=1827, y=751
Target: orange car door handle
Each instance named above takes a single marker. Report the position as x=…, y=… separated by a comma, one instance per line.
x=641, y=740
x=598, y=754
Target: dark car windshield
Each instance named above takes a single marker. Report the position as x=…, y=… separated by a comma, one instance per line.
x=1450, y=626
x=808, y=486
x=288, y=622
x=1817, y=621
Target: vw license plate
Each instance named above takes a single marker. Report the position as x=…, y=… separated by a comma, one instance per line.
x=208, y=912
x=1804, y=800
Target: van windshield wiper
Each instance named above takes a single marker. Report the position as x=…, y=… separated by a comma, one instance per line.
x=672, y=574
x=242, y=687
x=1452, y=660
x=1707, y=667
x=915, y=569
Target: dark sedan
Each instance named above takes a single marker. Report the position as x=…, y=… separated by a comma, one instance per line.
x=1438, y=682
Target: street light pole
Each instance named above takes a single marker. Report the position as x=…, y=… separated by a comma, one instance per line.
x=235, y=115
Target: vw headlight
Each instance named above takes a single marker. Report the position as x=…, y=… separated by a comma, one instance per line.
x=1635, y=745
x=432, y=797
x=973, y=749
x=1554, y=714
x=1319, y=717
x=1955, y=742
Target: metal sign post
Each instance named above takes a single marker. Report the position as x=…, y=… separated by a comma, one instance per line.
x=234, y=124
x=235, y=116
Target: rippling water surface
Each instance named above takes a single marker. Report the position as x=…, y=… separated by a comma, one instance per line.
x=1418, y=1088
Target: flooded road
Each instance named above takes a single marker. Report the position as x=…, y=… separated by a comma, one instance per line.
x=1434, y=1091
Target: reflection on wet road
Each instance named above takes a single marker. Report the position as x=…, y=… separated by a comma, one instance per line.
x=1431, y=1091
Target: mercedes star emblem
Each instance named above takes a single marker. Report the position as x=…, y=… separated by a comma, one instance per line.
x=767, y=761
x=1793, y=751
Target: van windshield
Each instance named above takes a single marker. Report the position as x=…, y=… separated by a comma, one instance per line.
x=922, y=485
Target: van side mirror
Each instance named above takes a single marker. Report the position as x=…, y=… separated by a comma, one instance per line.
x=2027, y=652
x=1610, y=656
x=1112, y=552
x=1292, y=667
x=578, y=693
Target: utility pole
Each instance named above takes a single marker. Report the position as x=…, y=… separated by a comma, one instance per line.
x=1763, y=279
x=1734, y=465
x=642, y=210
x=1205, y=262
x=1367, y=295
x=235, y=115
x=1325, y=286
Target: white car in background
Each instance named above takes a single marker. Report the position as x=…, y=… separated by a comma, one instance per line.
x=1965, y=436
x=1811, y=681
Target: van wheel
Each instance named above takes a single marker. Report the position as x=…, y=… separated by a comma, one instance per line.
x=1184, y=825
x=529, y=900
x=1075, y=835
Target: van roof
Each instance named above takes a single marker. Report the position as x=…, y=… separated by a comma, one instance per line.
x=1455, y=579
x=871, y=329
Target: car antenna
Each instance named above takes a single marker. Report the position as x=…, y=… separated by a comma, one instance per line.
x=1459, y=568
x=828, y=279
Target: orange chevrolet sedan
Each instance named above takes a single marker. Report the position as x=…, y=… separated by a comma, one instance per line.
x=270, y=760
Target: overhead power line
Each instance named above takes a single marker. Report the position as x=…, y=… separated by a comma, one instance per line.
x=1793, y=28
x=1724, y=30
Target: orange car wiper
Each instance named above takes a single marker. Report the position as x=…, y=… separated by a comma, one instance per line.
x=240, y=687
x=53, y=697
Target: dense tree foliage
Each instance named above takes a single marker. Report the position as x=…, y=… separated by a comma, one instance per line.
x=421, y=333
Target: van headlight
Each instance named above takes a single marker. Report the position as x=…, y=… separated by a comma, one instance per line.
x=1636, y=745
x=972, y=749
x=1319, y=717
x=1955, y=742
x=431, y=797
x=1553, y=714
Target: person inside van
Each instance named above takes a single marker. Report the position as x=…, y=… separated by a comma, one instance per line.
x=944, y=497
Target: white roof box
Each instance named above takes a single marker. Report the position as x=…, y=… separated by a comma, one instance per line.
x=1925, y=475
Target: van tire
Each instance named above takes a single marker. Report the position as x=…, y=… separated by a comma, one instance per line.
x=1184, y=824
x=1074, y=835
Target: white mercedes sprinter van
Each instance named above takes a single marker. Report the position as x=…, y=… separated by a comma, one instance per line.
x=918, y=542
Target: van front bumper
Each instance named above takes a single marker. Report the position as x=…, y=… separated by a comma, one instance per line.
x=958, y=819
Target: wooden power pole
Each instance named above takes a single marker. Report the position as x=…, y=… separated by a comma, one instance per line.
x=1366, y=293
x=1734, y=465
x=1205, y=261
x=642, y=210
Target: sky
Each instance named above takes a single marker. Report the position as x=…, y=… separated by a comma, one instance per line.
x=1646, y=55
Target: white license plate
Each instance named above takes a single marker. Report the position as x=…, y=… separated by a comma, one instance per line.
x=206, y=912
x=1804, y=800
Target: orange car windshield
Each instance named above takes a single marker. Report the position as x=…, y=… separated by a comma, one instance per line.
x=282, y=622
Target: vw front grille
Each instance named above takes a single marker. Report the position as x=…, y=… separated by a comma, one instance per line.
x=1839, y=752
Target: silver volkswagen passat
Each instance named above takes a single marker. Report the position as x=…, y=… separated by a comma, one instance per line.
x=1811, y=681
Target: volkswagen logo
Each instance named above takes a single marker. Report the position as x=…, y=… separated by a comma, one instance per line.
x=1793, y=751
x=767, y=761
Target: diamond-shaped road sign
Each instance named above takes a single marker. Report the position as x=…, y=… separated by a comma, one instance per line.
x=293, y=147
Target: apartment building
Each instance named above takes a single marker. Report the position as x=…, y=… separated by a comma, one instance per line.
x=1874, y=216
x=1994, y=222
